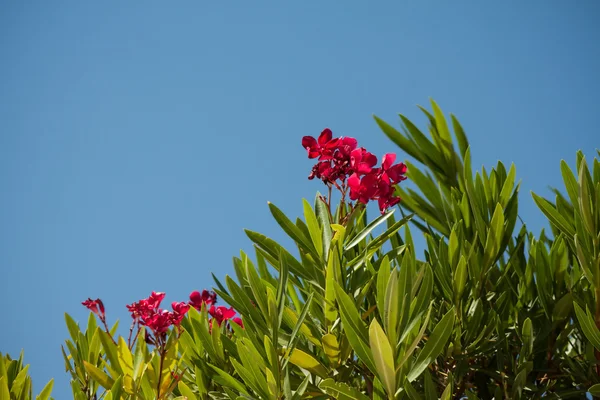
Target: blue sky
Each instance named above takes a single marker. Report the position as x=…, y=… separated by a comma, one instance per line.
x=138, y=139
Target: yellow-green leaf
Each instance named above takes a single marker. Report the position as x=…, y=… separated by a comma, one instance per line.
x=331, y=348
x=383, y=355
x=99, y=376
x=308, y=362
x=4, y=393
x=341, y=391
x=186, y=391
x=125, y=357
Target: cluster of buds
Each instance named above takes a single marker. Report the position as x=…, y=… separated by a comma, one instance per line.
x=344, y=165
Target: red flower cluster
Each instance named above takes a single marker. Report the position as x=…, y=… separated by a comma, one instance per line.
x=220, y=313
x=206, y=297
x=148, y=313
x=340, y=160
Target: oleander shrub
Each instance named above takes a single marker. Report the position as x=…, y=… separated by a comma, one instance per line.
x=487, y=309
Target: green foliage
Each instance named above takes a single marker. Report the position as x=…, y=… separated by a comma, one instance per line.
x=15, y=382
x=490, y=310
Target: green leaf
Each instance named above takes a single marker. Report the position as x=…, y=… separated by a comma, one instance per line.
x=341, y=391
x=427, y=152
x=527, y=339
x=19, y=381
x=378, y=392
x=110, y=348
x=298, y=323
x=308, y=362
x=434, y=346
x=396, y=137
x=125, y=357
x=494, y=237
x=588, y=326
x=447, y=393
x=562, y=308
x=293, y=231
x=553, y=215
x=409, y=350
x=354, y=327
x=460, y=279
x=507, y=187
x=46, y=391
x=228, y=380
x=314, y=230
x=586, y=198
x=323, y=216
x=117, y=388
x=367, y=230
x=430, y=389
x=443, y=131
x=391, y=306
x=4, y=392
x=273, y=249
x=331, y=348
x=411, y=392
x=248, y=378
x=383, y=277
x=519, y=384
x=99, y=376
x=461, y=138
x=424, y=295
x=186, y=391
x=570, y=183
x=72, y=327
x=257, y=287
x=383, y=355
x=594, y=390
x=333, y=268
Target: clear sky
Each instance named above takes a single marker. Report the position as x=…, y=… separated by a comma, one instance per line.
x=139, y=138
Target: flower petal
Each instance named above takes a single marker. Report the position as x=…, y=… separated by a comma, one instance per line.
x=325, y=136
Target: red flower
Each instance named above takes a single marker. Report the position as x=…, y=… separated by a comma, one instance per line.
x=179, y=311
x=159, y=322
x=206, y=297
x=385, y=196
x=362, y=161
x=155, y=299
x=323, y=147
x=95, y=306
x=238, y=321
x=346, y=146
x=344, y=166
x=137, y=310
x=221, y=313
x=395, y=173
x=363, y=189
